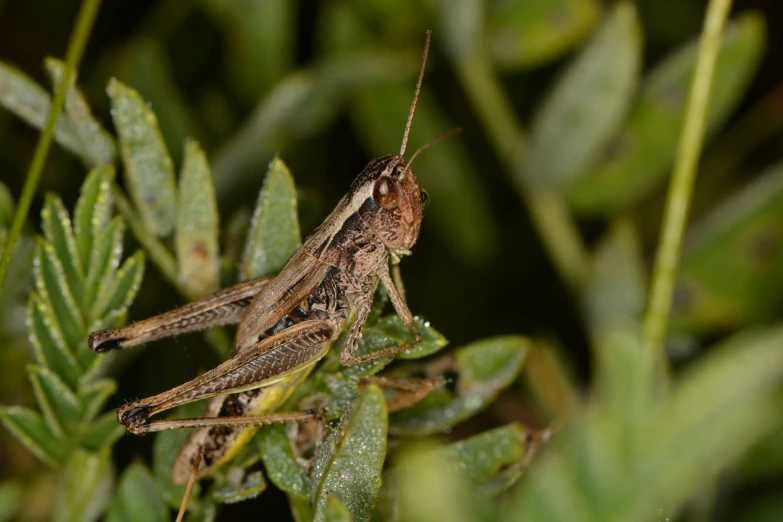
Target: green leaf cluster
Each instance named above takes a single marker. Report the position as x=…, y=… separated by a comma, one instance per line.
x=81, y=284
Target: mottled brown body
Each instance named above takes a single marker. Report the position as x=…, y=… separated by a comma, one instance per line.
x=287, y=323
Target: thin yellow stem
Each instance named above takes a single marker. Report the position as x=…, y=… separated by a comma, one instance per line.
x=73, y=57
x=189, y=489
x=157, y=251
x=656, y=320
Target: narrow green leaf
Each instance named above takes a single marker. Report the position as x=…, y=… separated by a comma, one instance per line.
x=525, y=33
x=301, y=509
x=83, y=486
x=627, y=384
x=94, y=364
x=93, y=211
x=479, y=371
x=21, y=95
x=50, y=348
x=425, y=487
x=31, y=430
x=336, y=511
x=638, y=159
x=389, y=331
x=59, y=404
x=17, y=286
x=252, y=486
x=58, y=232
x=281, y=465
x=341, y=387
x=615, y=293
x=144, y=62
x=149, y=171
x=51, y=284
x=137, y=498
x=719, y=410
x=93, y=395
x=197, y=225
x=489, y=359
x=504, y=479
x=104, y=260
x=96, y=144
x=11, y=492
x=587, y=106
x=126, y=283
x=102, y=433
x=274, y=231
x=349, y=465
x=482, y=456
x=731, y=264
x=460, y=208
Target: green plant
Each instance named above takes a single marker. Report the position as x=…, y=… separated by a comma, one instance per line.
x=80, y=285
x=637, y=444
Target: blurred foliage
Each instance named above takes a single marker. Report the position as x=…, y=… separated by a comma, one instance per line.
x=572, y=111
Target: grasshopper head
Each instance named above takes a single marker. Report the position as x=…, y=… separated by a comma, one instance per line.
x=394, y=203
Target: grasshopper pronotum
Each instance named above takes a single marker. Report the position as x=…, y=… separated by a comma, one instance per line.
x=288, y=322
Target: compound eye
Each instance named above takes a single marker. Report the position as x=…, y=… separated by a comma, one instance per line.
x=425, y=198
x=386, y=193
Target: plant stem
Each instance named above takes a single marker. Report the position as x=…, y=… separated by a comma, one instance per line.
x=157, y=251
x=548, y=211
x=76, y=45
x=656, y=320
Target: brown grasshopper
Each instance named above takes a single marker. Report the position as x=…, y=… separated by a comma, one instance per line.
x=287, y=323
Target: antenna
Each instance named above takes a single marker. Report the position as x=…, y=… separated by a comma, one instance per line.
x=442, y=136
x=416, y=93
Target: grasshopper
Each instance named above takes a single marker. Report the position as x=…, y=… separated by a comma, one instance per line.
x=288, y=322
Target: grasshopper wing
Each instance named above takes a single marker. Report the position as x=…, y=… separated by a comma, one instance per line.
x=295, y=282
